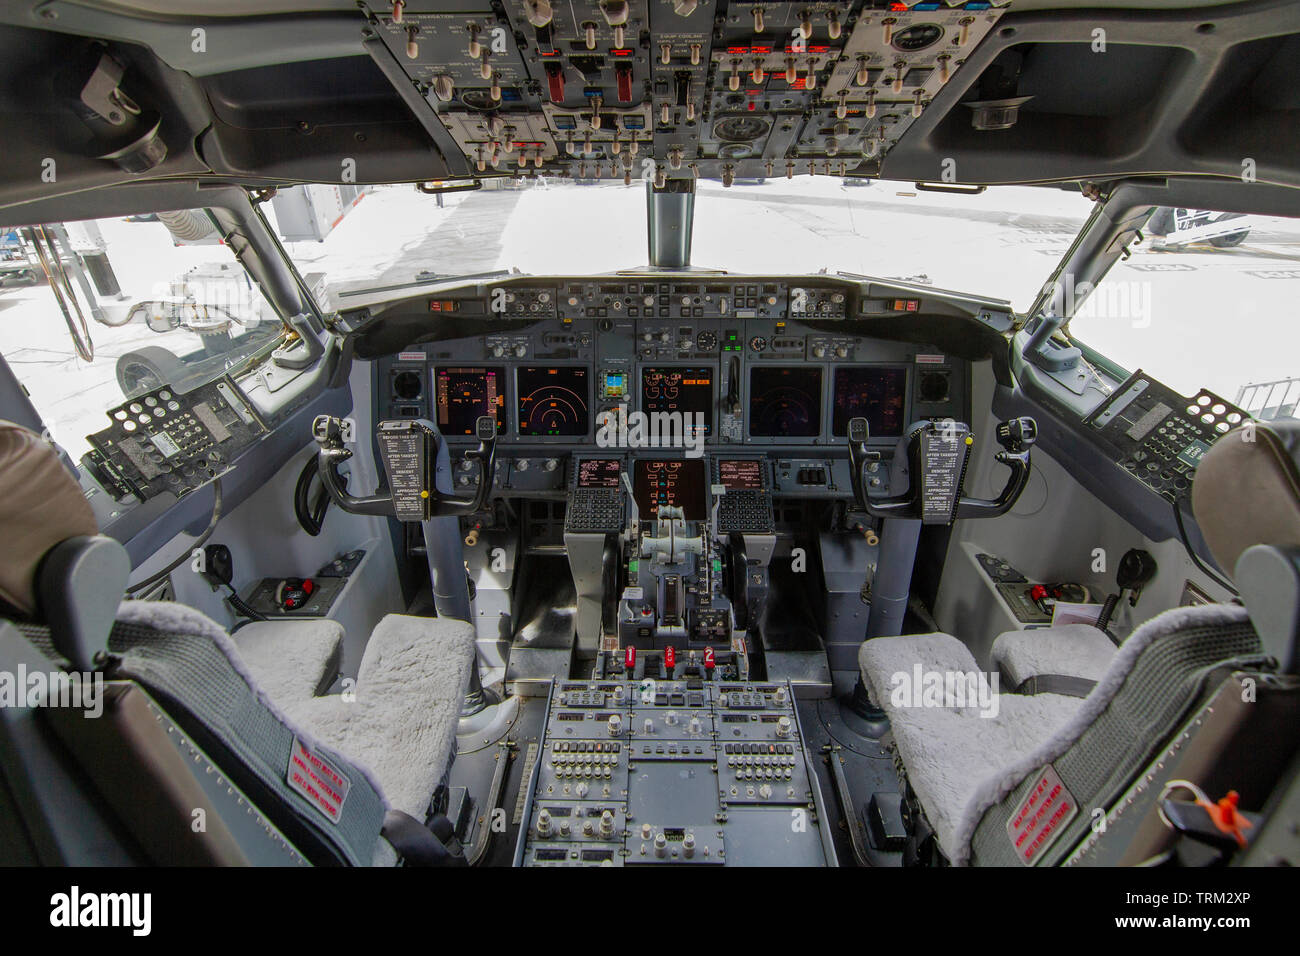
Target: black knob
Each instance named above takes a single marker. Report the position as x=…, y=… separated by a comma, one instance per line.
x=1017, y=434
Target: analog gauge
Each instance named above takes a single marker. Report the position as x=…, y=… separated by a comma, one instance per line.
x=757, y=344
x=706, y=341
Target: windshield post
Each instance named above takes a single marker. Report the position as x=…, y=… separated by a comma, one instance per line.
x=670, y=219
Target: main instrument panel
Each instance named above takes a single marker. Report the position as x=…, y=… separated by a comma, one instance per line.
x=665, y=368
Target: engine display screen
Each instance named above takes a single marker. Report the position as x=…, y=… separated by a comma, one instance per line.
x=878, y=394
x=740, y=474
x=598, y=472
x=677, y=482
x=463, y=394
x=554, y=400
x=683, y=391
x=785, y=401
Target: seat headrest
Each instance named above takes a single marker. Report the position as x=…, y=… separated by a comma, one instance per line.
x=41, y=505
x=1247, y=490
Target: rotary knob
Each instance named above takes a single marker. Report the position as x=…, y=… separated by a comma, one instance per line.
x=606, y=823
x=521, y=464
x=544, y=822
x=783, y=727
x=581, y=789
x=614, y=725
x=781, y=695
x=688, y=844
x=661, y=844
x=551, y=464
x=695, y=726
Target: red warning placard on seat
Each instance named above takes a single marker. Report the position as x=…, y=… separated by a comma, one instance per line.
x=1041, y=816
x=317, y=778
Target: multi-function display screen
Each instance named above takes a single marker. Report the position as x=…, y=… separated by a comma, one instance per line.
x=463, y=394
x=740, y=474
x=554, y=400
x=684, y=391
x=878, y=394
x=678, y=482
x=785, y=401
x=598, y=472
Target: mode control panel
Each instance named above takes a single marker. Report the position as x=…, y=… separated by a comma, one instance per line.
x=661, y=773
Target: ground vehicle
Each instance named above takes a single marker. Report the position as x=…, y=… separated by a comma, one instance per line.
x=1183, y=226
x=679, y=499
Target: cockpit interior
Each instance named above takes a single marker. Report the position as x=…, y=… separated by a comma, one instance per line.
x=636, y=433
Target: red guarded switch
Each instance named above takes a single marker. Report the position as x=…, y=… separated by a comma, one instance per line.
x=709, y=662
x=670, y=658
x=555, y=81
x=623, y=74
x=629, y=659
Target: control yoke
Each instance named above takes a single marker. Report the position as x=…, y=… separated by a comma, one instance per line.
x=409, y=449
x=937, y=455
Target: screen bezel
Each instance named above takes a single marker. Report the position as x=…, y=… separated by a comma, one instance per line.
x=503, y=376
x=764, y=476
x=518, y=412
x=580, y=460
x=905, y=415
x=702, y=504
x=712, y=367
x=815, y=438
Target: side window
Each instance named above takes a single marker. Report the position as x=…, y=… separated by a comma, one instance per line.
x=1206, y=300
x=97, y=311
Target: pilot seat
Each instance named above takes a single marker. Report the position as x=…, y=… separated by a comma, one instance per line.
x=196, y=719
x=1182, y=695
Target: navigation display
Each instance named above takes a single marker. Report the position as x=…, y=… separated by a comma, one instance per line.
x=554, y=401
x=878, y=394
x=740, y=475
x=461, y=395
x=687, y=391
x=785, y=401
x=677, y=482
x=598, y=472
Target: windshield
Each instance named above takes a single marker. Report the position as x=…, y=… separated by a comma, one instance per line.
x=1000, y=243
x=95, y=312
x=1206, y=300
